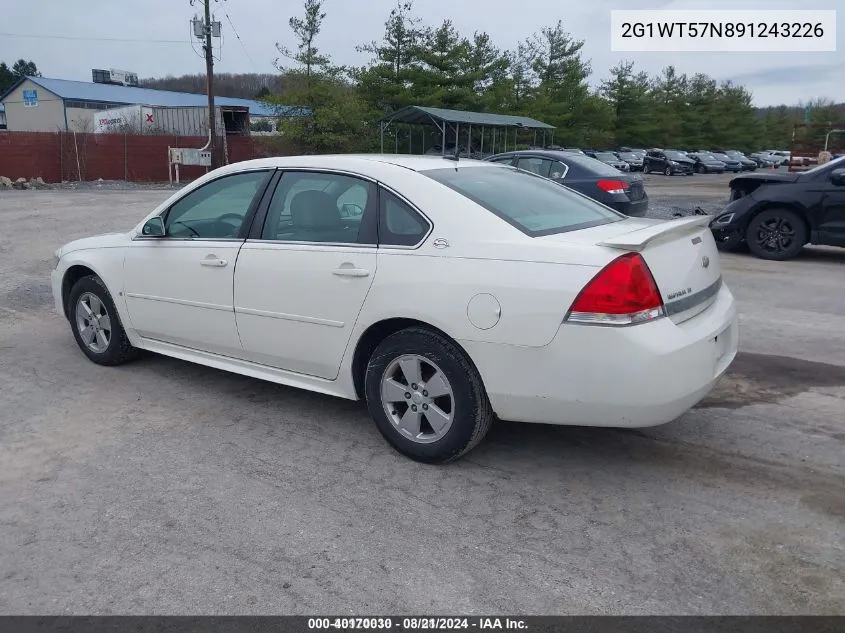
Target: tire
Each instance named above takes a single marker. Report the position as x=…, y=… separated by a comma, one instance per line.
x=668, y=171
x=790, y=234
x=469, y=408
x=645, y=169
x=88, y=295
x=700, y=169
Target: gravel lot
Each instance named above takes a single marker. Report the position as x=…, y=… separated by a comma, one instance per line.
x=163, y=487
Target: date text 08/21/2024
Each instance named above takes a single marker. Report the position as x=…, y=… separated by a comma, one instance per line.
x=416, y=623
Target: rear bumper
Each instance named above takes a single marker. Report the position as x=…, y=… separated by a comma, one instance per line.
x=631, y=208
x=638, y=376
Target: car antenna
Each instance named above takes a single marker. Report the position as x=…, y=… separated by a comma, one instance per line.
x=456, y=156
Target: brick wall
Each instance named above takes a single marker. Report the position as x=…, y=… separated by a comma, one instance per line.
x=61, y=156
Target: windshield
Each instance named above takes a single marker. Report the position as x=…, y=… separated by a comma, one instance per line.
x=721, y=157
x=675, y=156
x=533, y=204
x=735, y=154
x=606, y=156
x=629, y=156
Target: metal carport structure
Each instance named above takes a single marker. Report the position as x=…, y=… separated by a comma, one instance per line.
x=444, y=119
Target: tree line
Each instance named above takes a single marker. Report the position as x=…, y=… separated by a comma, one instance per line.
x=546, y=77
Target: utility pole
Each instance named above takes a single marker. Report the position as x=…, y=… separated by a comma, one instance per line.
x=206, y=30
x=209, y=83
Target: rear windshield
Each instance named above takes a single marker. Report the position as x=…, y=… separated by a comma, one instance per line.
x=593, y=166
x=533, y=204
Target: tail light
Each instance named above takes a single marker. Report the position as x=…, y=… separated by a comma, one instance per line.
x=622, y=293
x=612, y=186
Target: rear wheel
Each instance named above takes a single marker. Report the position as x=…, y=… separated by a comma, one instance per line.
x=96, y=325
x=776, y=234
x=426, y=397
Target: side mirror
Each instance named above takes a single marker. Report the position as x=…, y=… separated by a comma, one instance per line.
x=154, y=227
x=837, y=177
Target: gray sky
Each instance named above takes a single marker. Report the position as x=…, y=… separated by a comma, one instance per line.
x=773, y=77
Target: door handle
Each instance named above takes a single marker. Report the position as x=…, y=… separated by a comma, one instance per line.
x=214, y=261
x=351, y=272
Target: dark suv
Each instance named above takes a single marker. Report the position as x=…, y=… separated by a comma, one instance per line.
x=668, y=161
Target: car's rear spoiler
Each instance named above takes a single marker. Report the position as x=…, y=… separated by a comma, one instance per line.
x=637, y=240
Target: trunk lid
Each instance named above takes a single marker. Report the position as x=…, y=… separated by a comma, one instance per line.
x=681, y=255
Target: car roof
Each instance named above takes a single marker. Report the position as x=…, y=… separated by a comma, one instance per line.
x=548, y=153
x=359, y=161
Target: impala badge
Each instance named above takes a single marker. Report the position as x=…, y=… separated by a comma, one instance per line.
x=705, y=261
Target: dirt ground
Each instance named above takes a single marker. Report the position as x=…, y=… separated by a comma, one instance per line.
x=165, y=487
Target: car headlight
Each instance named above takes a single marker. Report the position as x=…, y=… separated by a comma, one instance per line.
x=727, y=218
x=673, y=162
x=57, y=257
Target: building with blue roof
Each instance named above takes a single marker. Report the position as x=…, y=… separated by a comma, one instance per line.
x=39, y=104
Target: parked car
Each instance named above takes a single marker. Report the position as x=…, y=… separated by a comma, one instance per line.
x=669, y=162
x=437, y=150
x=780, y=156
x=731, y=164
x=763, y=160
x=620, y=191
x=746, y=163
x=706, y=164
x=633, y=150
x=776, y=214
x=609, y=158
x=635, y=161
x=463, y=291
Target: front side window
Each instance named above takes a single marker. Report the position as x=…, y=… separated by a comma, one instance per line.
x=320, y=207
x=534, y=205
x=216, y=210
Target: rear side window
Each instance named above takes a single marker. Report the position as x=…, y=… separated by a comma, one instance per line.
x=399, y=224
x=534, y=205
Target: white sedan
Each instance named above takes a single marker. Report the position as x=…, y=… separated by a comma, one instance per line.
x=442, y=292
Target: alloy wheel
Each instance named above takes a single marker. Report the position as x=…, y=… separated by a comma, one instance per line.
x=776, y=235
x=93, y=323
x=417, y=398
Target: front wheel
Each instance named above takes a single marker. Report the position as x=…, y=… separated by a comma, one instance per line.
x=96, y=325
x=426, y=397
x=667, y=171
x=776, y=234
x=699, y=169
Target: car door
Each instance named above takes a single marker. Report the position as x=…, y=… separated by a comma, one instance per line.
x=832, y=225
x=305, y=270
x=178, y=288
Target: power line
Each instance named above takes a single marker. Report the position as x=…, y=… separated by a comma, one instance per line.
x=92, y=39
x=243, y=46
